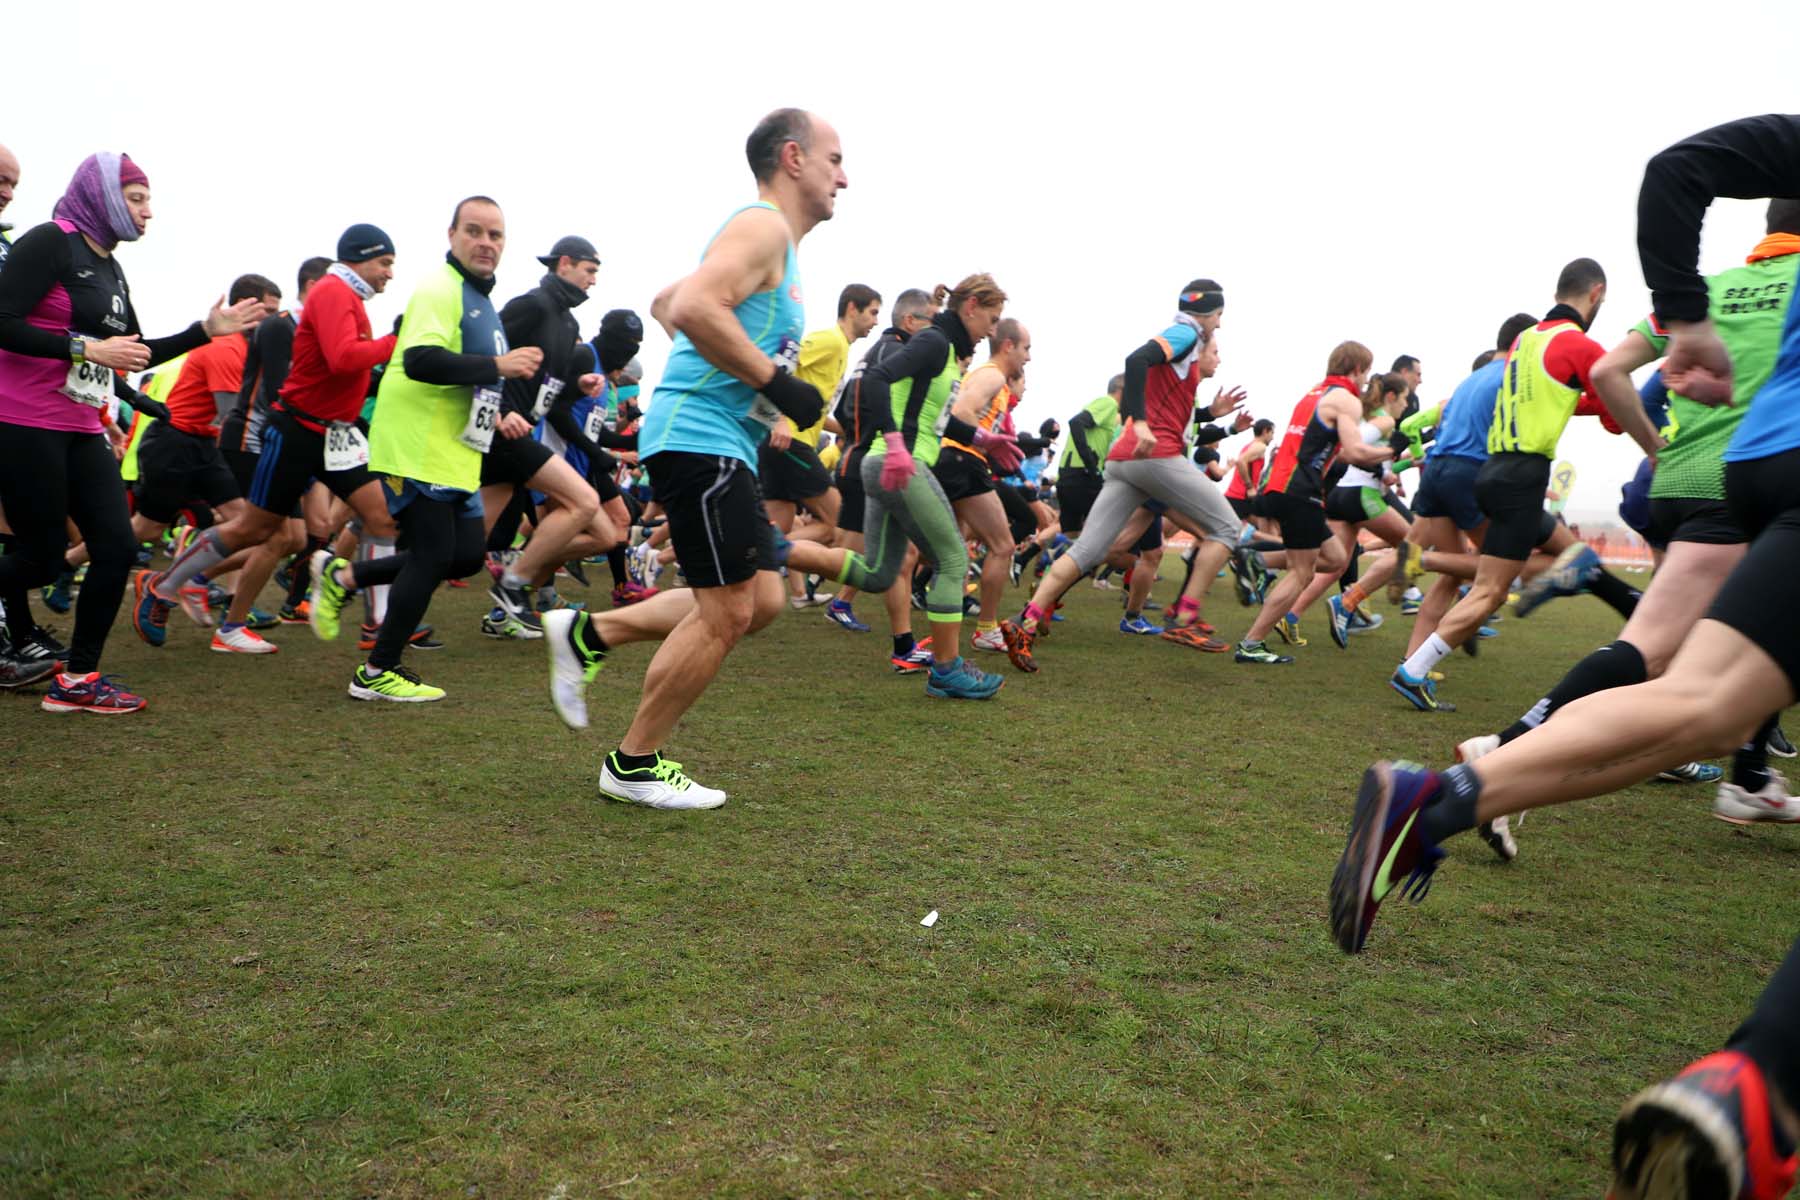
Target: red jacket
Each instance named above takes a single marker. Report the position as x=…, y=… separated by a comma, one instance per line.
x=329, y=377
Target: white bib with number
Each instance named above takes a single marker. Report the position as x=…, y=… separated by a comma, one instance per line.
x=484, y=416
x=345, y=447
x=89, y=383
x=547, y=393
x=596, y=423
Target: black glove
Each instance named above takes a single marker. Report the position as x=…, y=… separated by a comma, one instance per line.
x=799, y=402
x=1400, y=444
x=621, y=333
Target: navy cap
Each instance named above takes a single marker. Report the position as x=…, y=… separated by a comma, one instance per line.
x=360, y=243
x=577, y=248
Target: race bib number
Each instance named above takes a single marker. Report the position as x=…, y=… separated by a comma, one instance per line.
x=484, y=417
x=943, y=417
x=89, y=383
x=596, y=424
x=547, y=393
x=786, y=356
x=345, y=447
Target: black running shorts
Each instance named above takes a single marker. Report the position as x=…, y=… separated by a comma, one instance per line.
x=1076, y=490
x=717, y=523
x=1510, y=490
x=1302, y=519
x=513, y=460
x=175, y=468
x=962, y=475
x=793, y=475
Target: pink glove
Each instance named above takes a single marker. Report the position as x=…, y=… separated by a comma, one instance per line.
x=1005, y=459
x=986, y=441
x=897, y=465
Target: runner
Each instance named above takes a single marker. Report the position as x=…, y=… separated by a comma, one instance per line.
x=66, y=324
x=1724, y=1123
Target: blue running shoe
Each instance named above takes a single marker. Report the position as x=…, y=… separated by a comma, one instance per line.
x=840, y=613
x=1364, y=622
x=1385, y=849
x=1420, y=693
x=1569, y=575
x=1694, y=772
x=1340, y=622
x=1486, y=632
x=150, y=612
x=1139, y=626
x=961, y=681
x=60, y=595
x=1710, y=1131
x=1409, y=608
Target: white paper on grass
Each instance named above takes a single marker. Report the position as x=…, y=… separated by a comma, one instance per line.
x=930, y=919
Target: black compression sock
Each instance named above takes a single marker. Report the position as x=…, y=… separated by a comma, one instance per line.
x=1028, y=553
x=903, y=644
x=589, y=636
x=634, y=762
x=1454, y=810
x=1621, y=596
x=1750, y=765
x=1351, y=572
x=1615, y=665
x=1265, y=546
x=615, y=559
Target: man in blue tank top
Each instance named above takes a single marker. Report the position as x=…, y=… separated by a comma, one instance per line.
x=736, y=323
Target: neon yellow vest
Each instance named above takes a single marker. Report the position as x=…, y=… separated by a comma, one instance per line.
x=161, y=384
x=1533, y=407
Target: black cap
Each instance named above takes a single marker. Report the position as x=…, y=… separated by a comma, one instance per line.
x=1201, y=296
x=360, y=243
x=577, y=248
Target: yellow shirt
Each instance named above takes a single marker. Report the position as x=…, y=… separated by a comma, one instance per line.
x=824, y=353
x=829, y=456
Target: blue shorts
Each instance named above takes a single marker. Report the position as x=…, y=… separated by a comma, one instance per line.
x=468, y=503
x=1447, y=489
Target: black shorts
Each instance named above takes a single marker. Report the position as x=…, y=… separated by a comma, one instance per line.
x=1243, y=506
x=961, y=474
x=1076, y=490
x=292, y=457
x=717, y=523
x=1510, y=490
x=850, y=492
x=1151, y=538
x=513, y=460
x=1706, y=522
x=175, y=468
x=1762, y=594
x=243, y=465
x=1021, y=521
x=793, y=475
x=1447, y=489
x=604, y=484
x=1352, y=505
x=1302, y=519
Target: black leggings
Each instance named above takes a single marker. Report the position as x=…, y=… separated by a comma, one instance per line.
x=47, y=478
x=436, y=543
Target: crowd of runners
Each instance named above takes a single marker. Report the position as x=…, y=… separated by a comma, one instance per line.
x=282, y=440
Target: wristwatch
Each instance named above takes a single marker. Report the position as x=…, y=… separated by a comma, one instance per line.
x=77, y=349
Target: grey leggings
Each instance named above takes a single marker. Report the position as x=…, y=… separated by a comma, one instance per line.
x=919, y=512
x=1176, y=482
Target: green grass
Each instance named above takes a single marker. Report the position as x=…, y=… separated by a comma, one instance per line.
x=264, y=940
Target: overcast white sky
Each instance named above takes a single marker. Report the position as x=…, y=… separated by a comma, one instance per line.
x=1406, y=174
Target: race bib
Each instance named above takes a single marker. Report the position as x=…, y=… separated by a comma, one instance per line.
x=547, y=393
x=943, y=417
x=484, y=416
x=89, y=383
x=596, y=424
x=345, y=447
x=786, y=356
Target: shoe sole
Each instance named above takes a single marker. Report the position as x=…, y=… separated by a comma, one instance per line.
x=1340, y=634
x=363, y=693
x=63, y=710
x=49, y=670
x=618, y=799
x=940, y=694
x=1733, y=820
x=218, y=649
x=1668, y=1145
x=139, y=585
x=1357, y=864
x=556, y=630
x=319, y=561
x=1439, y=706
x=1017, y=652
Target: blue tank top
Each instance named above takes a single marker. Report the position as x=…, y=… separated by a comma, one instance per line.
x=700, y=409
x=1772, y=426
x=1470, y=412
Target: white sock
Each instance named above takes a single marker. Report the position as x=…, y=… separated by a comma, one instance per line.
x=1434, y=651
x=378, y=594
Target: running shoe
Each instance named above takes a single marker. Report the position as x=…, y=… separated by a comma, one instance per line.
x=1018, y=646
x=990, y=639
x=1472, y=647
x=60, y=595
x=194, y=603
x=1486, y=632
x=1259, y=652
x=17, y=672
x=150, y=612
x=962, y=681
x=1243, y=577
x=459, y=584
x=913, y=663
x=1420, y=693
x=516, y=603
x=1195, y=638
x=1340, y=622
x=422, y=639
x=40, y=645
x=1385, y=849
x=327, y=596
x=258, y=619
x=1364, y=621
x=1771, y=804
x=296, y=614
x=241, y=639
x=1289, y=629
x=572, y=666
x=1712, y=1131
x=216, y=596
x=498, y=623
x=1778, y=745
x=1408, y=566
x=1015, y=572
x=1102, y=585
x=631, y=593
x=284, y=574
x=1694, y=772
x=662, y=784
x=395, y=683
x=1569, y=575
x=575, y=571
x=1498, y=832
x=1409, y=608
x=1139, y=626
x=91, y=693
x=839, y=613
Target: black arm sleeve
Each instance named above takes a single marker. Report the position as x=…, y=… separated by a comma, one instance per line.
x=1206, y=435
x=1030, y=444
x=434, y=364
x=1745, y=159
x=137, y=399
x=36, y=262
x=1137, y=369
x=274, y=350
x=523, y=321
x=1078, y=428
x=915, y=357
x=959, y=430
x=162, y=349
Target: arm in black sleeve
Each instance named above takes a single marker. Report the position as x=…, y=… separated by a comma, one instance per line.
x=434, y=364
x=523, y=321
x=1745, y=159
x=1030, y=444
x=959, y=430
x=162, y=349
x=561, y=418
x=1137, y=369
x=137, y=399
x=916, y=356
x=1206, y=435
x=274, y=350
x=1078, y=430
x=36, y=262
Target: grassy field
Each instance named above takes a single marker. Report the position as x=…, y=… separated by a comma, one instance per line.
x=263, y=940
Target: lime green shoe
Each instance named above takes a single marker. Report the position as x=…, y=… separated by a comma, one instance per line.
x=327, y=597
x=396, y=683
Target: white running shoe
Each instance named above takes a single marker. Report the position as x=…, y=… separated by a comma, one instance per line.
x=1770, y=805
x=242, y=640
x=993, y=639
x=1498, y=832
x=1477, y=747
x=660, y=786
x=569, y=675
